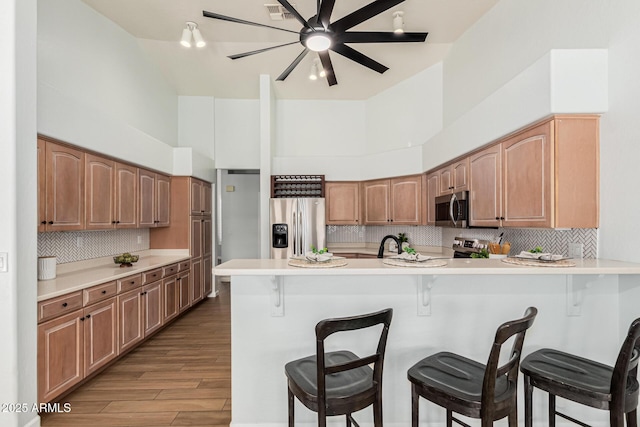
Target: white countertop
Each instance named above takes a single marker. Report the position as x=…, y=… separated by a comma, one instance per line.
x=79, y=275
x=372, y=249
x=458, y=266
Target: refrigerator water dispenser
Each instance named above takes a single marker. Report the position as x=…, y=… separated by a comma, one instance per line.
x=279, y=235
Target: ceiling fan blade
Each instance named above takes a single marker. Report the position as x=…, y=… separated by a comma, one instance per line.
x=253, y=52
x=242, y=21
x=362, y=14
x=293, y=65
x=327, y=66
x=358, y=57
x=295, y=13
x=324, y=13
x=380, y=37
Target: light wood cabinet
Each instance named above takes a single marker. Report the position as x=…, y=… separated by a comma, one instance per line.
x=99, y=190
x=545, y=176
x=155, y=199
x=200, y=197
x=62, y=192
x=184, y=291
x=207, y=275
x=131, y=319
x=100, y=335
x=126, y=196
x=454, y=177
x=171, y=298
x=197, y=283
x=433, y=191
x=342, y=203
x=153, y=302
x=395, y=201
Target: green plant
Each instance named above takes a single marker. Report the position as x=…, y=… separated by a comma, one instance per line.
x=536, y=250
x=403, y=237
x=318, y=251
x=409, y=250
x=482, y=254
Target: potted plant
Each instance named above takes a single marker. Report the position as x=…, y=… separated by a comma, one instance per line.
x=404, y=240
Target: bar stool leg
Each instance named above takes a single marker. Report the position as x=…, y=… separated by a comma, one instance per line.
x=632, y=418
x=290, y=399
x=377, y=413
x=414, y=406
x=528, y=402
x=552, y=410
x=449, y=418
x=513, y=416
x=348, y=417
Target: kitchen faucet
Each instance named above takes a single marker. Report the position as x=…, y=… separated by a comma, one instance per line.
x=384, y=239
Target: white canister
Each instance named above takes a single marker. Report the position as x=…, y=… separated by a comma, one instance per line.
x=46, y=268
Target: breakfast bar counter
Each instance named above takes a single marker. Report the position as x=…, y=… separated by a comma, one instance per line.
x=585, y=309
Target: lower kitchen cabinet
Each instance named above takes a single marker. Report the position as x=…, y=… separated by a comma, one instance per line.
x=171, y=298
x=197, y=284
x=184, y=291
x=207, y=276
x=152, y=301
x=100, y=335
x=131, y=316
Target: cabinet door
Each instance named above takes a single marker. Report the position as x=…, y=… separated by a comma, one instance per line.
x=433, y=191
x=60, y=355
x=207, y=204
x=342, y=203
x=184, y=291
x=126, y=196
x=197, y=206
x=146, y=198
x=64, y=188
x=196, y=237
x=42, y=176
x=406, y=200
x=528, y=178
x=100, y=334
x=131, y=317
x=460, y=175
x=486, y=187
x=445, y=178
x=376, y=202
x=99, y=192
x=171, y=298
x=207, y=225
x=197, y=285
x=207, y=275
x=163, y=200
x=152, y=298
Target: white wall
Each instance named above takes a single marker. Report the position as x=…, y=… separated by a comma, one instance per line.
x=196, y=123
x=18, y=210
x=237, y=134
x=97, y=90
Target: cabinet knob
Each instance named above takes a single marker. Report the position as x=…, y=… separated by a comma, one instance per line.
x=113, y=222
x=502, y=217
x=43, y=222
x=88, y=316
x=104, y=292
x=50, y=222
x=64, y=304
x=497, y=218
x=82, y=318
x=391, y=220
x=117, y=222
x=132, y=282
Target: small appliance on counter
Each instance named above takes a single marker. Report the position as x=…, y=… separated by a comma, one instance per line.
x=47, y=267
x=296, y=224
x=463, y=247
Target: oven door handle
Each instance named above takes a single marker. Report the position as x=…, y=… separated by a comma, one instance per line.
x=454, y=218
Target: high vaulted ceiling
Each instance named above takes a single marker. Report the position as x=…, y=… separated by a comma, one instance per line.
x=158, y=24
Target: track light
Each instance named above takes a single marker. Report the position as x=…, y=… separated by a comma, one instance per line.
x=192, y=29
x=317, y=70
x=398, y=22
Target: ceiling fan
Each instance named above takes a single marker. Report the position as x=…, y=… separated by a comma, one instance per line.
x=319, y=34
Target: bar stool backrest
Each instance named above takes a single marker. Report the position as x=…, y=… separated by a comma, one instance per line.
x=327, y=327
x=626, y=370
x=505, y=331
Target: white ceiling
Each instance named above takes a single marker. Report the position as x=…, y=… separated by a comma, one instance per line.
x=158, y=24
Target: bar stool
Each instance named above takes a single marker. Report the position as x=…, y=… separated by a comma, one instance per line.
x=586, y=381
x=339, y=382
x=464, y=386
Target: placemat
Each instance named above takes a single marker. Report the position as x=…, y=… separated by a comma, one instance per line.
x=534, y=263
x=303, y=263
x=400, y=263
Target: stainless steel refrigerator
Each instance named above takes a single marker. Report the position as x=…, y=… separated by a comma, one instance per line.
x=295, y=226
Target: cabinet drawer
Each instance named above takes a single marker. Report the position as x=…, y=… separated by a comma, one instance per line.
x=128, y=283
x=151, y=276
x=100, y=292
x=169, y=270
x=184, y=265
x=55, y=307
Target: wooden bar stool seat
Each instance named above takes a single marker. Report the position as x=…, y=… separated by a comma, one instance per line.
x=340, y=382
x=585, y=381
x=464, y=386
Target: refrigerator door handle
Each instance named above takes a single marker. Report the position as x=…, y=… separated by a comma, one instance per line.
x=294, y=234
x=301, y=232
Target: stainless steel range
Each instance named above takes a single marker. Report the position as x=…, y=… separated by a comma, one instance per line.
x=463, y=247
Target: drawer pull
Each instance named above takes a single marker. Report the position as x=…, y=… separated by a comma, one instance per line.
x=88, y=316
x=82, y=318
x=64, y=304
x=50, y=222
x=104, y=292
x=132, y=282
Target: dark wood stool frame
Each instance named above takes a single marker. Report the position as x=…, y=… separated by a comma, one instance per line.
x=621, y=399
x=320, y=399
x=485, y=407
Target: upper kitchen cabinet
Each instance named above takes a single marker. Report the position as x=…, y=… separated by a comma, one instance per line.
x=342, y=203
x=154, y=200
x=99, y=190
x=200, y=197
x=433, y=191
x=61, y=187
x=126, y=196
x=395, y=200
x=545, y=176
x=454, y=177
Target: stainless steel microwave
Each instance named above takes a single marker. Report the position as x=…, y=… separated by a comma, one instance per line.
x=452, y=210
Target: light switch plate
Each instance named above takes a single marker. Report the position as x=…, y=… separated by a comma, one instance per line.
x=4, y=262
x=574, y=250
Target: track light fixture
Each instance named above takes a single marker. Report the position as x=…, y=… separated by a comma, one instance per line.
x=317, y=70
x=192, y=30
x=398, y=22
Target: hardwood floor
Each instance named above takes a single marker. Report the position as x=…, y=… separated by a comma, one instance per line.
x=179, y=377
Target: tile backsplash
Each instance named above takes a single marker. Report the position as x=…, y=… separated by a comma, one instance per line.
x=555, y=241
x=70, y=246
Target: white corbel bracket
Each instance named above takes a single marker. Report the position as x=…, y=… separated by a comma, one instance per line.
x=277, y=296
x=424, y=285
x=577, y=286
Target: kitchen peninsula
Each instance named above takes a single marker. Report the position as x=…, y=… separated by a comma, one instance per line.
x=585, y=309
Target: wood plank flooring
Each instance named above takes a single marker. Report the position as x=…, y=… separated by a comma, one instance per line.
x=179, y=377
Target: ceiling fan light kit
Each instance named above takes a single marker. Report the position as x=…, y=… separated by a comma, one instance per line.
x=320, y=35
x=192, y=30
